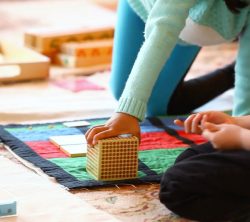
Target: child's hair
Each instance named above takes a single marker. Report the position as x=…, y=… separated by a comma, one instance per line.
x=236, y=5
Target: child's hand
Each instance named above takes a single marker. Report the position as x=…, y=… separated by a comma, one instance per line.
x=223, y=136
x=119, y=123
x=193, y=124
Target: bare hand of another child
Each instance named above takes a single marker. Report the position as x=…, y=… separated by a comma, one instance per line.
x=119, y=123
x=193, y=124
x=223, y=136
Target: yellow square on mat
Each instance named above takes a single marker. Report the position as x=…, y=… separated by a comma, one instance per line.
x=77, y=150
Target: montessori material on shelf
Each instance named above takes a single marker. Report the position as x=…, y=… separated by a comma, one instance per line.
x=19, y=63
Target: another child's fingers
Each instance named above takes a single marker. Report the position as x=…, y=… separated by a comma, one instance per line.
x=203, y=121
x=179, y=122
x=207, y=134
x=195, y=127
x=211, y=127
x=188, y=123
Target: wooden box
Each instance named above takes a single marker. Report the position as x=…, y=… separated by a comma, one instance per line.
x=48, y=41
x=85, y=54
x=18, y=63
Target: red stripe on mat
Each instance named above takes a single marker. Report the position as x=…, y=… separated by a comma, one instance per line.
x=46, y=149
x=198, y=139
x=161, y=140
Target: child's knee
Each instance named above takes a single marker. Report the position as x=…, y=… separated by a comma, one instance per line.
x=171, y=192
x=175, y=192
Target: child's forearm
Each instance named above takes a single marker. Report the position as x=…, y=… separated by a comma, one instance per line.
x=243, y=121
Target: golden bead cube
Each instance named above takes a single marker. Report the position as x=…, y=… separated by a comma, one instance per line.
x=114, y=158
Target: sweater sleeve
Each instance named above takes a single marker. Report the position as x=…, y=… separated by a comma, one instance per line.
x=164, y=24
x=242, y=76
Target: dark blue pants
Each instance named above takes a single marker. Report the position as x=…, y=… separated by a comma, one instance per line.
x=209, y=185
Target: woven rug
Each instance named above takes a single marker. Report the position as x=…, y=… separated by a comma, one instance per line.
x=161, y=143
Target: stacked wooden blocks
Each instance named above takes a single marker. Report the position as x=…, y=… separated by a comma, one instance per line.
x=83, y=47
x=86, y=54
x=113, y=159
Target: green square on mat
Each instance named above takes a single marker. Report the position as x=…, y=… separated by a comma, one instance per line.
x=156, y=160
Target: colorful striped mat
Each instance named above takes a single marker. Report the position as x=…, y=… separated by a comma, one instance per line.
x=161, y=143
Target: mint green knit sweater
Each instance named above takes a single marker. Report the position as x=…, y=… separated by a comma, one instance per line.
x=164, y=21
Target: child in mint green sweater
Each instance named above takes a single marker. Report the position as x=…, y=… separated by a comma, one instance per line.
x=150, y=81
